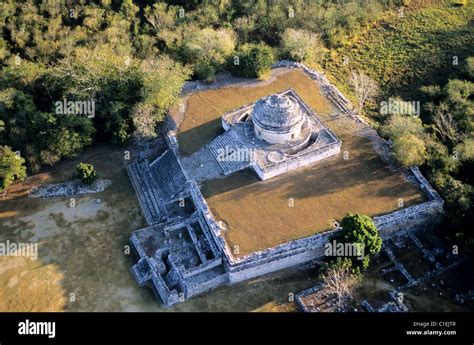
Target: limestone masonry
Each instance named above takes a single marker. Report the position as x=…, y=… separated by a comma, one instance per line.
x=182, y=252
x=274, y=135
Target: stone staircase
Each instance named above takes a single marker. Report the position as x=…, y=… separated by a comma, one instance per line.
x=148, y=195
x=222, y=148
x=168, y=175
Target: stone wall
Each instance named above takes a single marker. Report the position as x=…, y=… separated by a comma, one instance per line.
x=274, y=137
x=415, y=217
x=425, y=185
x=202, y=268
x=201, y=205
x=194, y=289
x=161, y=291
x=309, y=155
x=328, y=89
x=230, y=118
x=230, y=269
x=309, y=248
x=273, y=264
x=300, y=295
x=297, y=161
x=410, y=218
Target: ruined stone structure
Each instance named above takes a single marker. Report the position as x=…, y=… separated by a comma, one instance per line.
x=182, y=252
x=273, y=136
x=278, y=119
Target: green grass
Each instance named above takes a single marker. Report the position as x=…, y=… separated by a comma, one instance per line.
x=404, y=53
x=202, y=119
x=259, y=215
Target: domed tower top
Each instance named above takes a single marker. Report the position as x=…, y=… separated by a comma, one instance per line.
x=277, y=113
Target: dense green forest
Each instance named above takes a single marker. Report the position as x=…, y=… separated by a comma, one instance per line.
x=121, y=64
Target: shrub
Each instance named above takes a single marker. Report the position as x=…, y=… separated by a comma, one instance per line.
x=409, y=150
x=470, y=66
x=207, y=47
x=205, y=72
x=358, y=228
x=252, y=61
x=407, y=134
x=12, y=167
x=87, y=173
x=301, y=45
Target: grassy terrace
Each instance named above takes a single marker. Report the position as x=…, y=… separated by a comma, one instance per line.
x=204, y=109
x=258, y=213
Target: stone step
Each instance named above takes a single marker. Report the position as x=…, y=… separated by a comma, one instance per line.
x=152, y=190
x=148, y=196
x=142, y=200
x=168, y=175
x=226, y=143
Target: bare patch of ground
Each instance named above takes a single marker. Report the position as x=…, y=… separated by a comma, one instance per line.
x=80, y=244
x=82, y=265
x=28, y=285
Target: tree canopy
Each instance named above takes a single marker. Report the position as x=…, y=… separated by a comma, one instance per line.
x=12, y=167
x=358, y=228
x=252, y=61
x=86, y=173
x=127, y=61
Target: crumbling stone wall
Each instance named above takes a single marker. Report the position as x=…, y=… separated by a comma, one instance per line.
x=225, y=268
x=310, y=248
x=296, y=162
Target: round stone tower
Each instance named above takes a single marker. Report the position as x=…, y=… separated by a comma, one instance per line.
x=277, y=119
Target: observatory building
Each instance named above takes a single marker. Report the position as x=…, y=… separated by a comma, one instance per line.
x=184, y=250
x=277, y=134
x=278, y=118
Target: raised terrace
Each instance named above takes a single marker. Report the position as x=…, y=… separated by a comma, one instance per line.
x=308, y=159
x=304, y=202
x=275, y=135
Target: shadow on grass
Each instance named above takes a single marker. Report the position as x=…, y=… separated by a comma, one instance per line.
x=193, y=139
x=364, y=169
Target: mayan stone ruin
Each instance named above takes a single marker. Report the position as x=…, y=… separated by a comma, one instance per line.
x=183, y=252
